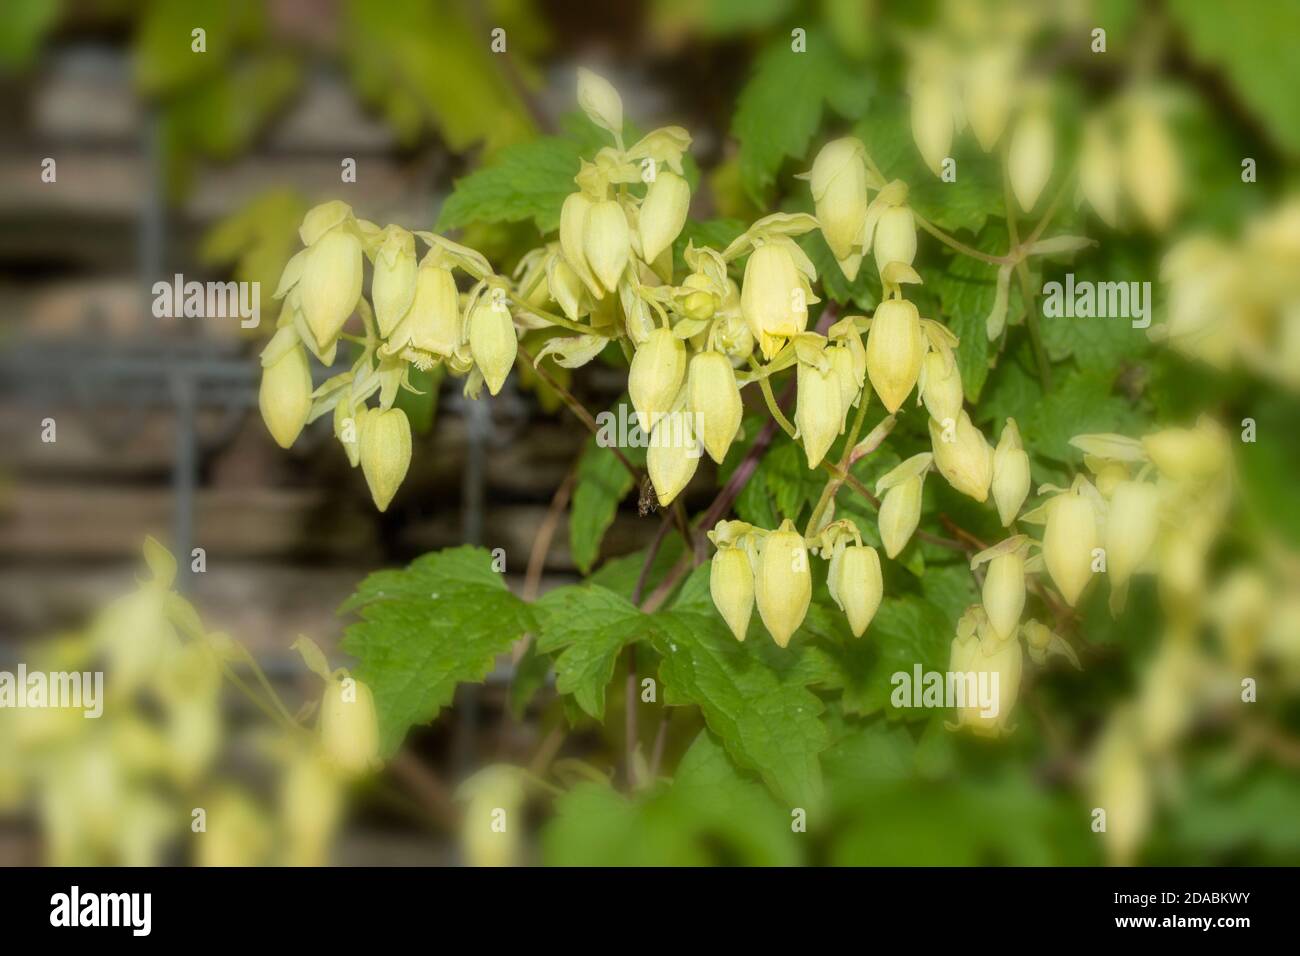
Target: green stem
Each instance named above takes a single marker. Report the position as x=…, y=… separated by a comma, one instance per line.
x=770, y=399
x=833, y=485
x=548, y=316
x=957, y=244
x=261, y=705
x=1022, y=273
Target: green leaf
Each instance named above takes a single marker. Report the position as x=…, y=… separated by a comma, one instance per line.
x=1013, y=391
x=620, y=575
x=602, y=483
x=792, y=483
x=906, y=632
x=1099, y=343
x=956, y=823
x=1079, y=404
x=1256, y=55
x=528, y=180
x=966, y=289
x=529, y=677
x=590, y=625
x=429, y=64
x=424, y=629
x=863, y=291
x=780, y=108
x=964, y=204
x=26, y=24
x=753, y=695
x=712, y=814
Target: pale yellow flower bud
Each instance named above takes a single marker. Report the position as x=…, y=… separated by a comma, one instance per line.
x=673, y=456
x=331, y=283
x=895, y=348
x=933, y=120
x=1152, y=172
x=783, y=585
x=385, y=453
x=1068, y=542
x=1004, y=592
x=1120, y=786
x=393, y=284
x=713, y=399
x=818, y=413
x=321, y=219
x=989, y=85
x=772, y=297
x=1109, y=476
x=1099, y=172
x=656, y=375
x=895, y=237
x=1188, y=454
x=491, y=832
x=600, y=101
x=238, y=834
x=856, y=585
x=967, y=460
x=492, y=341
x=311, y=807
x=433, y=322
x=1131, y=526
x=606, y=242
x=573, y=227
x=349, y=727
x=839, y=190
x=978, y=653
x=565, y=287
x=941, y=385
x=1030, y=156
x=900, y=508
x=1010, y=474
x=731, y=583
x=285, y=393
x=663, y=213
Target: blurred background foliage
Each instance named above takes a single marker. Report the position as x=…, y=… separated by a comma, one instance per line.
x=899, y=788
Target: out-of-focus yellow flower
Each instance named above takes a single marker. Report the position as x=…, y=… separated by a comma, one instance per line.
x=1030, y=154
x=238, y=832
x=492, y=824
x=349, y=727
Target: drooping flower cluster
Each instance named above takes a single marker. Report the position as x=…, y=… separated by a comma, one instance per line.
x=122, y=788
x=1240, y=302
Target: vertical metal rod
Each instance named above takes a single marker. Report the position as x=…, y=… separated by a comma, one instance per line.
x=478, y=424
x=184, y=474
